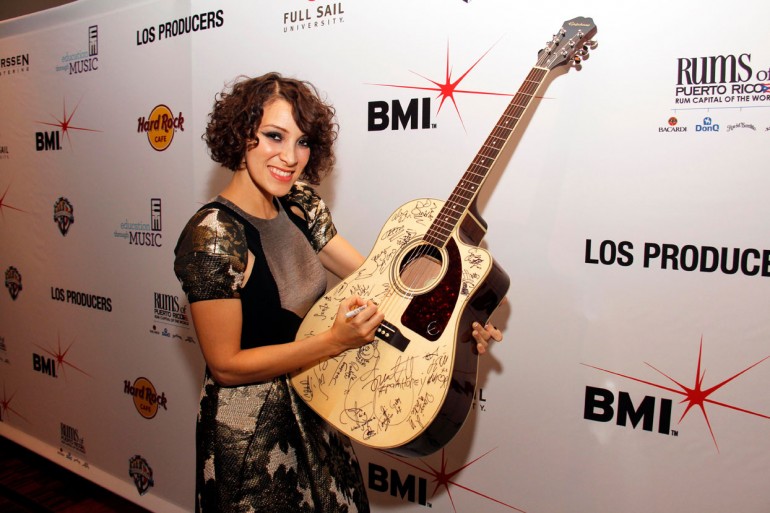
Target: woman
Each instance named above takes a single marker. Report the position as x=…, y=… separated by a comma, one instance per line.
x=252, y=263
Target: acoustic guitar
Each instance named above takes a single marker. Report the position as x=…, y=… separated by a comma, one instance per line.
x=410, y=391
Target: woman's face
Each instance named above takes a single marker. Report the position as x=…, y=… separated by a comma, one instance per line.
x=282, y=153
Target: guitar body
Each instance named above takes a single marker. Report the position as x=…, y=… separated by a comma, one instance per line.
x=410, y=390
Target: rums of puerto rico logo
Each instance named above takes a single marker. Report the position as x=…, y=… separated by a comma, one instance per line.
x=160, y=127
x=141, y=472
x=308, y=18
x=63, y=214
x=13, y=282
x=730, y=80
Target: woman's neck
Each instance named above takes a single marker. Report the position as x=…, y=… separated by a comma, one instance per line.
x=243, y=192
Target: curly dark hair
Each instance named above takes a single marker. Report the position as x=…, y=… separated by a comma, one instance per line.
x=237, y=113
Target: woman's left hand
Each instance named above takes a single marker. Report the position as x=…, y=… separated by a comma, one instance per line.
x=483, y=334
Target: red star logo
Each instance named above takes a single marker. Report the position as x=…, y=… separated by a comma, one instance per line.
x=448, y=88
x=65, y=122
x=443, y=478
x=3, y=204
x=5, y=406
x=61, y=358
x=695, y=396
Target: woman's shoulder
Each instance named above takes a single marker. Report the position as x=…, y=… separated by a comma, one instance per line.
x=213, y=229
x=211, y=255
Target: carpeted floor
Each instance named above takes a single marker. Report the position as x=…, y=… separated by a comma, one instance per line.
x=30, y=483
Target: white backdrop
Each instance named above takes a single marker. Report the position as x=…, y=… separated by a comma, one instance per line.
x=632, y=376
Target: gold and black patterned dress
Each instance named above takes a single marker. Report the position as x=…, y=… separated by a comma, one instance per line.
x=259, y=447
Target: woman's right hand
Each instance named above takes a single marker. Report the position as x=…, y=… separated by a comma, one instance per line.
x=355, y=331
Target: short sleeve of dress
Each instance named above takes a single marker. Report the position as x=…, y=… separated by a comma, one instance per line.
x=316, y=213
x=211, y=256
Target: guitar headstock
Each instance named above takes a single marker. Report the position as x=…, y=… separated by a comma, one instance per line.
x=570, y=45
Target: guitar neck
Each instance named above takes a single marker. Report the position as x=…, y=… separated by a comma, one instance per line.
x=467, y=189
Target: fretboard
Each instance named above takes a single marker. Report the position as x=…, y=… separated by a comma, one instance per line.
x=467, y=189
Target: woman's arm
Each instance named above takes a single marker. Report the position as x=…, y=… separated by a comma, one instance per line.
x=341, y=258
x=218, y=325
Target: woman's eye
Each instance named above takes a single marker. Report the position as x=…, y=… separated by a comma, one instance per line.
x=304, y=142
x=273, y=135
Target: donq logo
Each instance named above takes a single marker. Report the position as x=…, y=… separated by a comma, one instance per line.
x=160, y=127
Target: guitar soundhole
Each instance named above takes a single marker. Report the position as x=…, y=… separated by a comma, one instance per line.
x=437, y=286
x=420, y=268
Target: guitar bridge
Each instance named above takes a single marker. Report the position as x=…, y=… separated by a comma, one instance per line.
x=389, y=333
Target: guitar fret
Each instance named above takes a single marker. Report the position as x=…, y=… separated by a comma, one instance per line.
x=467, y=189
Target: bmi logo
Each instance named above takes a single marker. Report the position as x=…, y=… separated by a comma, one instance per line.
x=417, y=112
x=53, y=140
x=63, y=214
x=13, y=282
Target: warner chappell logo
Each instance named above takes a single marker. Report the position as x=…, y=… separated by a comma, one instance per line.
x=13, y=282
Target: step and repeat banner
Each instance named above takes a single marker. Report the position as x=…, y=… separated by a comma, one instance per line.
x=629, y=210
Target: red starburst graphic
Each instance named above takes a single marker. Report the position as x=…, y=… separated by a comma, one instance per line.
x=443, y=478
x=5, y=406
x=448, y=88
x=60, y=356
x=695, y=395
x=3, y=203
x=65, y=123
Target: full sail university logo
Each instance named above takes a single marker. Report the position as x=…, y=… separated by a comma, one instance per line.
x=601, y=406
x=416, y=114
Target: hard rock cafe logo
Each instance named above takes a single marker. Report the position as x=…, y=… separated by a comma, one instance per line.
x=63, y=214
x=146, y=398
x=141, y=472
x=13, y=282
x=160, y=127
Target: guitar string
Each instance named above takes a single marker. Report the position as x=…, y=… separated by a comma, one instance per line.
x=474, y=175
x=514, y=111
